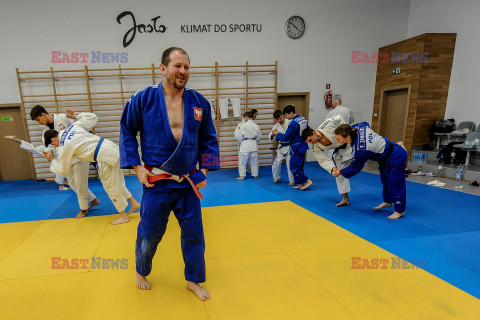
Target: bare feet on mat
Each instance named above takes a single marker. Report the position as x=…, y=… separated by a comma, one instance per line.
x=123, y=219
x=256, y=177
x=342, y=203
x=142, y=282
x=200, y=292
x=275, y=181
x=298, y=186
x=95, y=202
x=383, y=205
x=241, y=178
x=306, y=185
x=81, y=214
x=134, y=207
x=291, y=184
x=396, y=215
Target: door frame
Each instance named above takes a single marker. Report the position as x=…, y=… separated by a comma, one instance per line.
x=305, y=94
x=380, y=110
x=25, y=131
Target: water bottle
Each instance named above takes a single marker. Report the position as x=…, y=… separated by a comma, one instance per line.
x=452, y=156
x=440, y=162
x=459, y=175
x=424, y=157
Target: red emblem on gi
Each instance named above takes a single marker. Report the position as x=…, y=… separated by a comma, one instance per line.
x=198, y=113
x=62, y=127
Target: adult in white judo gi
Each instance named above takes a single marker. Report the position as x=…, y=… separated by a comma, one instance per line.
x=338, y=109
x=283, y=149
x=323, y=140
x=77, y=177
x=248, y=137
x=77, y=142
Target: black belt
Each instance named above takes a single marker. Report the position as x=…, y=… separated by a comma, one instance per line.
x=389, y=152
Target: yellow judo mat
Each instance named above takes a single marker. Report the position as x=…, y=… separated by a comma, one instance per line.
x=271, y=260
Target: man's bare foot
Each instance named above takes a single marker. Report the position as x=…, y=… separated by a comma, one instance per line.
x=123, y=218
x=134, y=207
x=200, y=292
x=241, y=178
x=306, y=185
x=142, y=282
x=81, y=214
x=383, y=205
x=396, y=215
x=95, y=202
x=342, y=203
x=275, y=181
x=291, y=184
x=298, y=186
x=256, y=177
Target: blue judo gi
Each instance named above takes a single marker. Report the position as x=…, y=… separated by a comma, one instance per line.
x=391, y=157
x=297, y=147
x=146, y=112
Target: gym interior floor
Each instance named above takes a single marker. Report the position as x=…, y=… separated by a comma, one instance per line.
x=272, y=253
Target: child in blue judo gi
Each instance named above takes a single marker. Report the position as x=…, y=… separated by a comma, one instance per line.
x=298, y=147
x=176, y=134
x=391, y=157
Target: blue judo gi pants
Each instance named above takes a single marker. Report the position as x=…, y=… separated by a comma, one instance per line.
x=297, y=161
x=154, y=213
x=392, y=176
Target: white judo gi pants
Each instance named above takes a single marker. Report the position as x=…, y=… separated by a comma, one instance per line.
x=244, y=159
x=277, y=166
x=343, y=184
x=78, y=182
x=114, y=184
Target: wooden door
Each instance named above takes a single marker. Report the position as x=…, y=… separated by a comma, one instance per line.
x=298, y=99
x=14, y=162
x=393, y=114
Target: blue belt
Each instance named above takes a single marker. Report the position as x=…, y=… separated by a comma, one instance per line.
x=249, y=139
x=97, y=149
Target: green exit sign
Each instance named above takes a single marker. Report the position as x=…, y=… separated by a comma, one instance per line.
x=396, y=70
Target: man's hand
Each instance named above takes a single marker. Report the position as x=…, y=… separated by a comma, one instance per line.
x=335, y=172
x=143, y=175
x=49, y=155
x=13, y=138
x=274, y=132
x=70, y=114
x=202, y=184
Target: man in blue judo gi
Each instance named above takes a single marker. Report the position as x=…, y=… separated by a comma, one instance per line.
x=176, y=134
x=391, y=157
x=298, y=147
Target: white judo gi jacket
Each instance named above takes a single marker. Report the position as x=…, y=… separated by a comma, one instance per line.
x=77, y=142
x=248, y=136
x=342, y=157
x=283, y=148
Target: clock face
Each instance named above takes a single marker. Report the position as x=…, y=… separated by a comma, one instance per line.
x=295, y=27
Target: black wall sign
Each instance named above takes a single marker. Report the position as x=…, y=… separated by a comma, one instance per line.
x=141, y=28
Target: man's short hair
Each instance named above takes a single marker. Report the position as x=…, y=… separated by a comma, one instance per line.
x=254, y=111
x=49, y=135
x=37, y=112
x=288, y=109
x=250, y=114
x=167, y=52
x=307, y=132
x=277, y=114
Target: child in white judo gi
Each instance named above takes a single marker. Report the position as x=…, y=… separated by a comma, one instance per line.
x=248, y=136
x=283, y=150
x=77, y=142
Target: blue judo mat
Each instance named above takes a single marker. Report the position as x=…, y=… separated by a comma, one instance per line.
x=441, y=227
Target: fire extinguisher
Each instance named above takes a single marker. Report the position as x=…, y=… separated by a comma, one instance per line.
x=328, y=99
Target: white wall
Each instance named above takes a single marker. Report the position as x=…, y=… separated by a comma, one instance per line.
x=30, y=30
x=461, y=17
